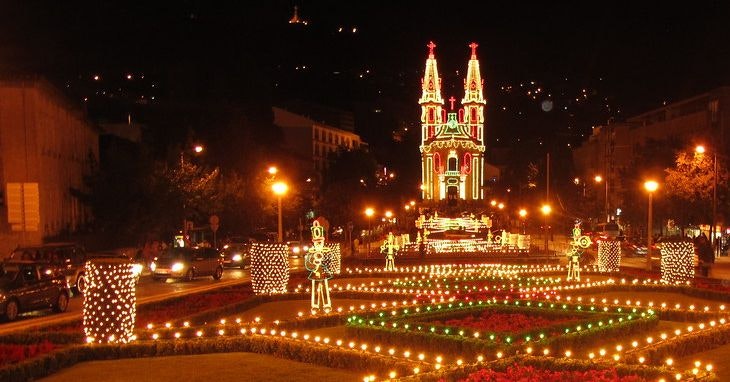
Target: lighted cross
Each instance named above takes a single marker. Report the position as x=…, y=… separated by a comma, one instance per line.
x=473, y=47
x=430, y=46
x=451, y=101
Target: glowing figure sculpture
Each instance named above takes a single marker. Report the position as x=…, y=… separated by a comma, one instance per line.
x=319, y=273
x=389, y=248
x=577, y=246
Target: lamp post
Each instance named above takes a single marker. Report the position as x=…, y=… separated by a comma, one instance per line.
x=280, y=189
x=196, y=149
x=701, y=150
x=369, y=212
x=546, y=209
x=523, y=215
x=599, y=179
x=650, y=187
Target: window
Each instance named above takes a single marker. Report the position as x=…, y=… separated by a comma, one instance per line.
x=452, y=164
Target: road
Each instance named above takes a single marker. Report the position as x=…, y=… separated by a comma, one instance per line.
x=148, y=291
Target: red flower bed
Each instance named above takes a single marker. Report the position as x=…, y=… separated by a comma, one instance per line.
x=504, y=322
x=16, y=353
x=530, y=374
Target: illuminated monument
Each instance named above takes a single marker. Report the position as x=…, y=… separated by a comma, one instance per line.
x=452, y=141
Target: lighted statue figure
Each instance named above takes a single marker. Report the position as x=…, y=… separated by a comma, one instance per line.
x=577, y=246
x=389, y=248
x=319, y=273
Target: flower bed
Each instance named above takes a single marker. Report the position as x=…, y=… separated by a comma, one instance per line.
x=410, y=327
x=506, y=322
x=529, y=373
x=12, y=353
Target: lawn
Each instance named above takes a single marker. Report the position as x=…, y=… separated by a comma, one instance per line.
x=204, y=368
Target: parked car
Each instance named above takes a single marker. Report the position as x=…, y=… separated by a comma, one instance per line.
x=236, y=255
x=68, y=258
x=26, y=286
x=297, y=249
x=187, y=263
x=138, y=265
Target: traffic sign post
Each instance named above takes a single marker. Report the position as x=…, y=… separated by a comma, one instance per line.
x=214, y=224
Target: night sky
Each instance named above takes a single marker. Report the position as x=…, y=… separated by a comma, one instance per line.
x=593, y=61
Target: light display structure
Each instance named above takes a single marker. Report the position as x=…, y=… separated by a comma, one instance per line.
x=334, y=260
x=110, y=301
x=577, y=245
x=452, y=142
x=609, y=255
x=678, y=260
x=319, y=273
x=389, y=248
x=269, y=267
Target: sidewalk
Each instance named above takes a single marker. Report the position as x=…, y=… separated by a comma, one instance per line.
x=720, y=270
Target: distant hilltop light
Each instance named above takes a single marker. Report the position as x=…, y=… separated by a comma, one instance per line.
x=295, y=17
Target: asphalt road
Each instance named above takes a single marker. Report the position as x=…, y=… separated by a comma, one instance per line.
x=148, y=291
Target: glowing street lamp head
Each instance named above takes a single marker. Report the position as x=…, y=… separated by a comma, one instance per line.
x=598, y=179
x=700, y=149
x=651, y=185
x=500, y=206
x=523, y=212
x=576, y=180
x=412, y=203
x=198, y=149
x=369, y=212
x=546, y=209
x=279, y=188
x=388, y=214
x=273, y=170
x=493, y=202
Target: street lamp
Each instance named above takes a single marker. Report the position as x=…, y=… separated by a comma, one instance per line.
x=546, y=210
x=523, y=215
x=273, y=170
x=650, y=187
x=369, y=212
x=599, y=179
x=701, y=150
x=197, y=149
x=280, y=189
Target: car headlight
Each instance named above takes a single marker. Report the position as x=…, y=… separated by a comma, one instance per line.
x=237, y=257
x=177, y=267
x=295, y=249
x=136, y=269
x=153, y=266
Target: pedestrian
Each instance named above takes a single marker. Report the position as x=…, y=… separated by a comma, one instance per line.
x=704, y=254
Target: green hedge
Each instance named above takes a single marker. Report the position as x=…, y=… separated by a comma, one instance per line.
x=459, y=373
x=470, y=346
x=284, y=348
x=682, y=346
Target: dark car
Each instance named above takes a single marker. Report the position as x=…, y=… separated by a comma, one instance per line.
x=236, y=255
x=26, y=286
x=187, y=263
x=68, y=258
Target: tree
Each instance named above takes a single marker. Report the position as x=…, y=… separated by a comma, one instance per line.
x=689, y=185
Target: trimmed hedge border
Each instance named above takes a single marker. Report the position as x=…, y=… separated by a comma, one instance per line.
x=453, y=345
x=683, y=345
x=294, y=350
x=462, y=372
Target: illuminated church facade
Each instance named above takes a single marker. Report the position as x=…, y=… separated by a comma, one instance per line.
x=452, y=140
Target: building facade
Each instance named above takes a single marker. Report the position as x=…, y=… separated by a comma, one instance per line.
x=312, y=141
x=612, y=149
x=452, y=141
x=47, y=147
